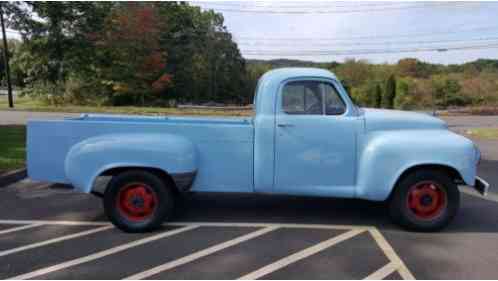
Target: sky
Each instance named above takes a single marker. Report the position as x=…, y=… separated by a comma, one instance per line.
x=335, y=31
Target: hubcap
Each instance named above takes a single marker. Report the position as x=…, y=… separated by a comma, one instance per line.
x=137, y=202
x=426, y=200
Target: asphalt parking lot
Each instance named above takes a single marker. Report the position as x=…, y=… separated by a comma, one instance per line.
x=49, y=232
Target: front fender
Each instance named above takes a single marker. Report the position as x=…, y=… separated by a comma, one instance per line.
x=387, y=154
x=89, y=158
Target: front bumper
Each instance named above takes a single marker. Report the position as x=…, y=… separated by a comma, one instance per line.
x=481, y=186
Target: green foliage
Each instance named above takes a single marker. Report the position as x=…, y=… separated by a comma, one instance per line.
x=164, y=53
x=377, y=99
x=447, y=92
x=12, y=147
x=390, y=93
x=368, y=95
x=405, y=94
x=127, y=53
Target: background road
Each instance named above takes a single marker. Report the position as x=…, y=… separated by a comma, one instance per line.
x=455, y=122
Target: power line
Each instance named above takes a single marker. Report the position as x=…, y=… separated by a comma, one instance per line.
x=367, y=51
x=252, y=4
x=293, y=44
x=367, y=36
x=267, y=11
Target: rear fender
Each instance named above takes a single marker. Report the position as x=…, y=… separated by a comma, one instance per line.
x=90, y=158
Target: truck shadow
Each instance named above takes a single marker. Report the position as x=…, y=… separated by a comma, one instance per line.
x=476, y=214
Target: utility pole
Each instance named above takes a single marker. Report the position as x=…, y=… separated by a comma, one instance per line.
x=6, y=59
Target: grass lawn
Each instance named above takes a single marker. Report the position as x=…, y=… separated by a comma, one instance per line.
x=27, y=104
x=12, y=147
x=483, y=133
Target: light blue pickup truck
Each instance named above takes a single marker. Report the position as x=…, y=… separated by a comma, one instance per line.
x=306, y=138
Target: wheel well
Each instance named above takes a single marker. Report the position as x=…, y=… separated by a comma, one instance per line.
x=168, y=180
x=450, y=171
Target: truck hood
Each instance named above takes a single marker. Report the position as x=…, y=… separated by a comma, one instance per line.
x=383, y=119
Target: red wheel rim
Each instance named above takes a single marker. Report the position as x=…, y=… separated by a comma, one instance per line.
x=426, y=200
x=137, y=201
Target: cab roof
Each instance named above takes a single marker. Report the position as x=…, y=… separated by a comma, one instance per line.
x=285, y=73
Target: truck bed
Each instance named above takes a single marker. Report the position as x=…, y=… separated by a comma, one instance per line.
x=224, y=145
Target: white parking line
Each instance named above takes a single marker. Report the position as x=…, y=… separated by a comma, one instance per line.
x=285, y=225
x=391, y=254
x=200, y=254
x=101, y=254
x=395, y=261
x=300, y=255
x=14, y=229
x=51, y=241
x=51, y=222
x=383, y=272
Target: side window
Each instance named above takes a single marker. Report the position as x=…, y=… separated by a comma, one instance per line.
x=302, y=97
x=334, y=105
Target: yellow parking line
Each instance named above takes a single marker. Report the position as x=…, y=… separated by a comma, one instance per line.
x=391, y=254
x=14, y=229
x=200, y=254
x=383, y=272
x=101, y=254
x=300, y=255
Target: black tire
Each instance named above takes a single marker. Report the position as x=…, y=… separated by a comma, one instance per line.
x=162, y=201
x=404, y=213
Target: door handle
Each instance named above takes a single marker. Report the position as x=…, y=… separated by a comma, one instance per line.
x=285, y=125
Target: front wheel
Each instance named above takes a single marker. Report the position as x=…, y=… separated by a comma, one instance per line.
x=137, y=201
x=425, y=200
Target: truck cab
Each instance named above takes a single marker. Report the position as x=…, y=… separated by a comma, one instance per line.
x=306, y=130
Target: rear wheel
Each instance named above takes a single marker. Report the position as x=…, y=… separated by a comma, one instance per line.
x=425, y=200
x=138, y=201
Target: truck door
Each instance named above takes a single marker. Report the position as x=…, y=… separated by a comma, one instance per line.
x=315, y=141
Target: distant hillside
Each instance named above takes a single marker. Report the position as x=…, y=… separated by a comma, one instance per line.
x=479, y=64
x=278, y=63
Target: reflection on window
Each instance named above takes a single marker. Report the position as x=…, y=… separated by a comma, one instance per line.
x=333, y=102
x=311, y=98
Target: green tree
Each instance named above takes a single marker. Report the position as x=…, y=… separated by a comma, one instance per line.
x=130, y=38
x=377, y=101
x=390, y=93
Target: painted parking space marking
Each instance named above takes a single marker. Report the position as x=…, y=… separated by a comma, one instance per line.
x=14, y=229
x=383, y=272
x=101, y=254
x=299, y=255
x=200, y=254
x=54, y=222
x=395, y=264
x=146, y=256
x=391, y=254
x=54, y=240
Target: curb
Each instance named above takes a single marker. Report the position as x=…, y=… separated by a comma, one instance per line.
x=12, y=177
